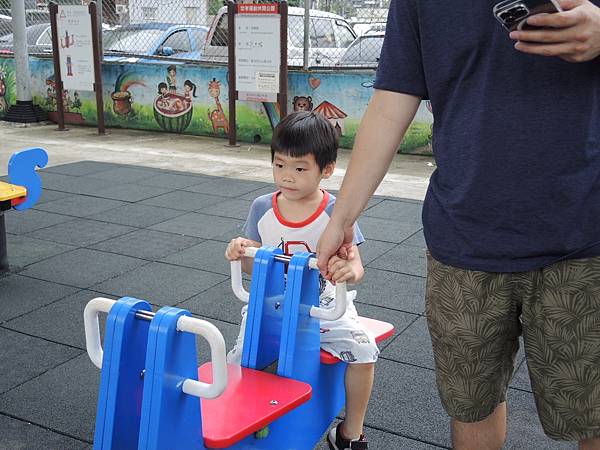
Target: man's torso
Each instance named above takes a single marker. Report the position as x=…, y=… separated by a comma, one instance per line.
x=516, y=139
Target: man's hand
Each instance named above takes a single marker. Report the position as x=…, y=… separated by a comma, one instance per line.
x=335, y=241
x=573, y=35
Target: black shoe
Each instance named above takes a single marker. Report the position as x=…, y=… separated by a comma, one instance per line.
x=337, y=442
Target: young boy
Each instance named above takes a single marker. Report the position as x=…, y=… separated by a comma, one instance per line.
x=303, y=152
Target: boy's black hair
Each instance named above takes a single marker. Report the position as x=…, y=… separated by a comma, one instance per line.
x=303, y=133
x=172, y=68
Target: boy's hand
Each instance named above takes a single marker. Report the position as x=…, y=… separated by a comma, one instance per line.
x=237, y=248
x=348, y=270
x=335, y=240
x=573, y=35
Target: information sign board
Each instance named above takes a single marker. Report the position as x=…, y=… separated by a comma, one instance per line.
x=76, y=53
x=257, y=52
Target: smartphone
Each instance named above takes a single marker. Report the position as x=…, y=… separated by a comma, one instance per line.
x=513, y=14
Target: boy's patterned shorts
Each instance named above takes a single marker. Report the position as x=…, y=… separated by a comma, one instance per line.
x=475, y=319
x=345, y=338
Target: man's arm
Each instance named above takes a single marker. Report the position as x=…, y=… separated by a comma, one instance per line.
x=382, y=128
x=573, y=35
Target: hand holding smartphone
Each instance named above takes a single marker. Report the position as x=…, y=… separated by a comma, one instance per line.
x=513, y=14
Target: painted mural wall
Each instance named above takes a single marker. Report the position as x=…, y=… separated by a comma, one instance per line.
x=8, y=91
x=194, y=99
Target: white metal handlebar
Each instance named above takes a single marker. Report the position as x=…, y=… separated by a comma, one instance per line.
x=217, y=355
x=184, y=323
x=236, y=281
x=316, y=312
x=92, y=327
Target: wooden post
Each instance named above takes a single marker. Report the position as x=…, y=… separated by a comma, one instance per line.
x=283, y=72
x=60, y=109
x=231, y=63
x=97, y=66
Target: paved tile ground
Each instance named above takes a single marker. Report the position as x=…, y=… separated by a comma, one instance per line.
x=116, y=230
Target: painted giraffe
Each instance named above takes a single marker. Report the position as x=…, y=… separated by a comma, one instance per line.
x=217, y=116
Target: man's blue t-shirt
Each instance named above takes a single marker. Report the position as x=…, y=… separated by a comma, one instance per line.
x=516, y=138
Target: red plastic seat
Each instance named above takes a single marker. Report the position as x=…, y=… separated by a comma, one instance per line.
x=381, y=330
x=247, y=404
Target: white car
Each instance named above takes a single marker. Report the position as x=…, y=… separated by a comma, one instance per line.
x=330, y=35
x=5, y=24
x=371, y=27
x=364, y=51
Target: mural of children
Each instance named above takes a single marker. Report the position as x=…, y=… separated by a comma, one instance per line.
x=3, y=104
x=162, y=90
x=76, y=100
x=169, y=101
x=51, y=98
x=163, y=100
x=66, y=100
x=172, y=78
x=177, y=105
x=173, y=110
x=189, y=90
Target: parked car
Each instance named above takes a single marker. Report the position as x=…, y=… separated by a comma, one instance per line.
x=371, y=27
x=330, y=35
x=150, y=39
x=5, y=24
x=39, y=39
x=32, y=16
x=364, y=51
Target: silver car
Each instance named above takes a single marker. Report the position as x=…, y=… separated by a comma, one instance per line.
x=330, y=35
x=364, y=51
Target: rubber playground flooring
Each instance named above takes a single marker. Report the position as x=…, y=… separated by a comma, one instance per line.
x=113, y=230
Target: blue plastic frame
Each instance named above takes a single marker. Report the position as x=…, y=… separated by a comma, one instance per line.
x=278, y=326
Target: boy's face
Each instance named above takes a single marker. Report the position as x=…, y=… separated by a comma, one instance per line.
x=298, y=178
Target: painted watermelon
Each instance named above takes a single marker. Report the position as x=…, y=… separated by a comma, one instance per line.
x=173, y=112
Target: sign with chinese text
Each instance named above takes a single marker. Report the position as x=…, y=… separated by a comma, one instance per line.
x=257, y=51
x=75, y=49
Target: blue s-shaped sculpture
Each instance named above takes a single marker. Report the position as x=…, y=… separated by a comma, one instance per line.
x=21, y=171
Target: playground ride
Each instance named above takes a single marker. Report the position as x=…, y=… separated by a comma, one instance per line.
x=21, y=192
x=150, y=381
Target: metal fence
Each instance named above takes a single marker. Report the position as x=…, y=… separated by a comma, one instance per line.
x=341, y=33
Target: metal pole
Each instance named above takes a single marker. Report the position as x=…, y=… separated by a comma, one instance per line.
x=3, y=253
x=306, y=61
x=23, y=75
x=283, y=71
x=24, y=111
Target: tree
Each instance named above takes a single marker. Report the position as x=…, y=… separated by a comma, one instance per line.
x=214, y=5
